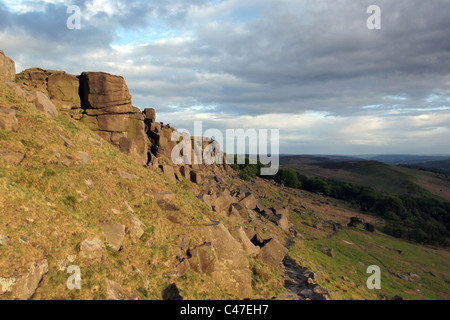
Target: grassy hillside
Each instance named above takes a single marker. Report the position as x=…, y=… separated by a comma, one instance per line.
x=70, y=182
x=426, y=268
x=379, y=176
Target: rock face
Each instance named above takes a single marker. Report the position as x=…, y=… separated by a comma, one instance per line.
x=26, y=286
x=101, y=90
x=60, y=87
x=63, y=91
x=107, y=107
x=7, y=68
x=223, y=258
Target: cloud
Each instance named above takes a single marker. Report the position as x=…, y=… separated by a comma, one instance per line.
x=286, y=63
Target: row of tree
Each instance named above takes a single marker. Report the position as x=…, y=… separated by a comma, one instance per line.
x=419, y=219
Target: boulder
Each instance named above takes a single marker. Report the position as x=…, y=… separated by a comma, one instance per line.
x=129, y=147
x=44, y=104
x=4, y=240
x=262, y=209
x=243, y=211
x=249, y=202
x=8, y=120
x=272, y=253
x=223, y=258
x=183, y=242
x=114, y=290
x=223, y=202
x=92, y=250
x=169, y=173
x=12, y=157
x=84, y=157
x=26, y=286
x=114, y=234
x=136, y=228
x=281, y=220
x=250, y=249
x=7, y=68
x=150, y=115
x=100, y=90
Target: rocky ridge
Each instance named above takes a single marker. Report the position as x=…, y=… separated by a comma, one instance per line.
x=220, y=250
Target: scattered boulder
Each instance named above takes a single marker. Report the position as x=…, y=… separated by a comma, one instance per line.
x=114, y=290
x=12, y=157
x=4, y=240
x=8, y=120
x=136, y=228
x=67, y=141
x=84, y=157
x=126, y=175
x=183, y=242
x=281, y=220
x=249, y=201
x=272, y=253
x=222, y=257
x=223, y=202
x=92, y=250
x=114, y=234
x=250, y=249
x=26, y=286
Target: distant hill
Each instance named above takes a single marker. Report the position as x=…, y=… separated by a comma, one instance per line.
x=380, y=176
x=441, y=162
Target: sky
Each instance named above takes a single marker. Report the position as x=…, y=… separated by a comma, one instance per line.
x=310, y=68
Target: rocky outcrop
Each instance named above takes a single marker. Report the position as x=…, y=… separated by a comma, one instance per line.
x=107, y=109
x=7, y=68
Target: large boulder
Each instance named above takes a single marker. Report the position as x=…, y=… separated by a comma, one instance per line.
x=273, y=253
x=250, y=249
x=223, y=258
x=100, y=90
x=7, y=68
